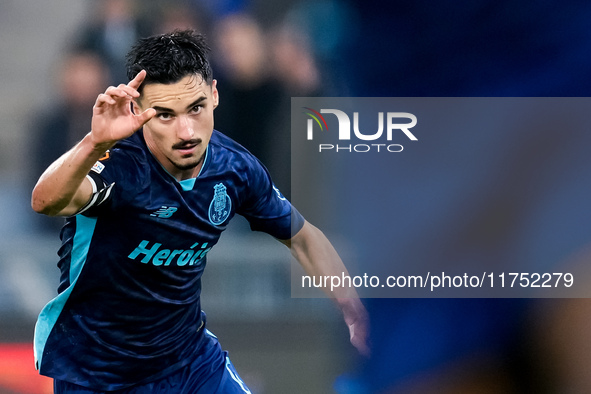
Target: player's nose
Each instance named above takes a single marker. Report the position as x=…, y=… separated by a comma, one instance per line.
x=185, y=128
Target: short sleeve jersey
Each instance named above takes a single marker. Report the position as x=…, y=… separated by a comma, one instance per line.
x=128, y=308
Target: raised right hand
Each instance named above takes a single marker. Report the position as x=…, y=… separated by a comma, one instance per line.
x=112, y=117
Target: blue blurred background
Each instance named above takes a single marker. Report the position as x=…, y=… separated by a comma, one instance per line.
x=57, y=56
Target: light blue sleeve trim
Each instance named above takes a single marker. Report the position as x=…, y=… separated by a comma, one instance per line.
x=50, y=313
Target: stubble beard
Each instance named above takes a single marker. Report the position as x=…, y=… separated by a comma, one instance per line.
x=190, y=165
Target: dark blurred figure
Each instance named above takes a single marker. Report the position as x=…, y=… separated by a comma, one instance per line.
x=81, y=76
x=116, y=27
x=177, y=15
x=249, y=97
x=482, y=48
x=304, y=48
x=296, y=71
x=294, y=63
x=561, y=336
x=322, y=28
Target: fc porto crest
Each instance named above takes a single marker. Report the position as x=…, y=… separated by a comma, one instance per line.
x=219, y=208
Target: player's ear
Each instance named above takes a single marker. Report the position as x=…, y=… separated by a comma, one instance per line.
x=215, y=94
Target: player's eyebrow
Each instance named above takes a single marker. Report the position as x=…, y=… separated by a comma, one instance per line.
x=196, y=102
x=169, y=110
x=162, y=109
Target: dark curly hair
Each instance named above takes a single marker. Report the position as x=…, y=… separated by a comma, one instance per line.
x=168, y=58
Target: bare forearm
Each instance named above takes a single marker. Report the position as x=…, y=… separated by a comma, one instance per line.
x=322, y=260
x=60, y=190
x=318, y=257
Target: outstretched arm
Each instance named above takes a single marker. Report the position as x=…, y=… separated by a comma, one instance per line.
x=318, y=257
x=63, y=189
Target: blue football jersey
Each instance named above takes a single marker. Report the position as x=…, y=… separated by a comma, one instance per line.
x=128, y=305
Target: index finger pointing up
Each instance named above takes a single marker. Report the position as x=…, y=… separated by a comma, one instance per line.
x=137, y=81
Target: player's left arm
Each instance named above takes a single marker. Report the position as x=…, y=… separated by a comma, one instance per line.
x=318, y=257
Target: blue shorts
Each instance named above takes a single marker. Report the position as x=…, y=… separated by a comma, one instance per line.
x=195, y=378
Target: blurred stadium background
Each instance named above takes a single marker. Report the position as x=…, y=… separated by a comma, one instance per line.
x=56, y=53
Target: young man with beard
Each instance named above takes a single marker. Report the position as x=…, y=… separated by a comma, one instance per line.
x=146, y=194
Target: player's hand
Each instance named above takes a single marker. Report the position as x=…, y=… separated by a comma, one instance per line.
x=358, y=322
x=112, y=117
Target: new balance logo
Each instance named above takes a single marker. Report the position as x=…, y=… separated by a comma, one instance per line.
x=164, y=212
